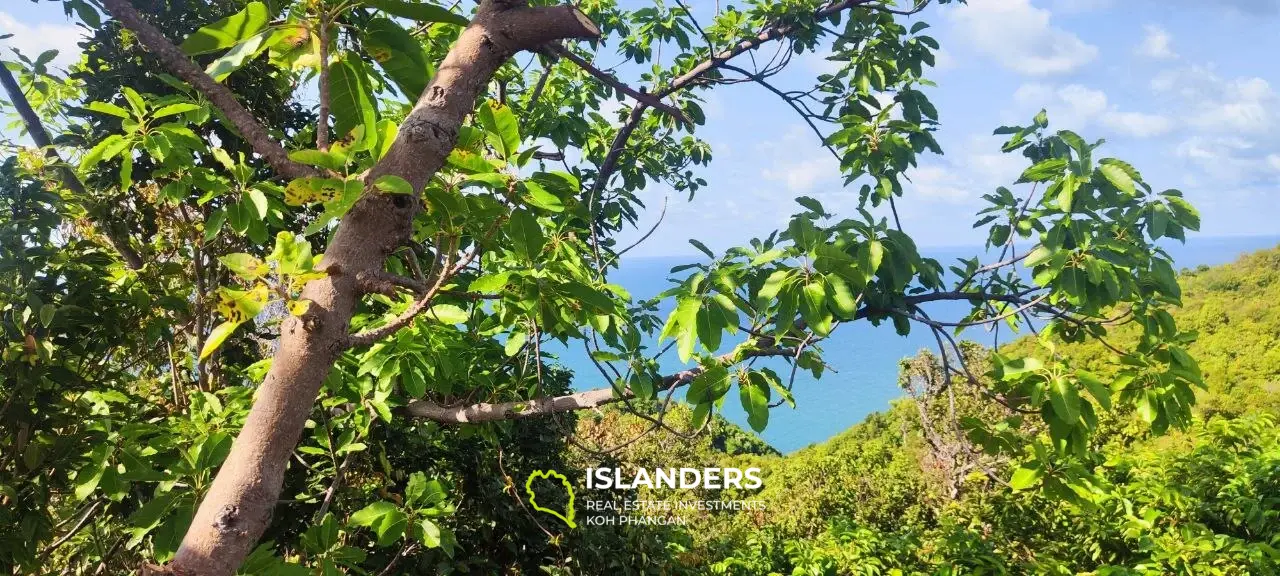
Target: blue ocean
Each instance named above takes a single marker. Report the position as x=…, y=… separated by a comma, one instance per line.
x=864, y=358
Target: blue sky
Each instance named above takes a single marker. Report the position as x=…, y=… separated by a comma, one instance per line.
x=1185, y=89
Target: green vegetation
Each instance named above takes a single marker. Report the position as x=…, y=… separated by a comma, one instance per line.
x=245, y=334
x=877, y=498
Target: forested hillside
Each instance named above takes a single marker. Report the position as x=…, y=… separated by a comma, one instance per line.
x=878, y=498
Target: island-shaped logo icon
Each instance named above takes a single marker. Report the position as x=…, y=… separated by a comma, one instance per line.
x=567, y=516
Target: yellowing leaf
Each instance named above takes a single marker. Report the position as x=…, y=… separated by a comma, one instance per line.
x=217, y=337
x=241, y=305
x=299, y=307
x=244, y=265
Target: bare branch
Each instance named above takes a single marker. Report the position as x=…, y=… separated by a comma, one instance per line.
x=419, y=306
x=486, y=412
x=808, y=118
x=84, y=519
x=177, y=62
x=646, y=236
x=773, y=32
x=611, y=80
x=882, y=8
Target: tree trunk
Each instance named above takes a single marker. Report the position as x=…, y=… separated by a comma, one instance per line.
x=238, y=507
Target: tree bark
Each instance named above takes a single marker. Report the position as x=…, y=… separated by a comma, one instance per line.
x=238, y=507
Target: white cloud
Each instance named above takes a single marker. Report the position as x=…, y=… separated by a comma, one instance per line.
x=940, y=183
x=1076, y=107
x=1080, y=6
x=1247, y=105
x=1157, y=43
x=1138, y=124
x=801, y=175
x=799, y=162
x=1229, y=160
x=943, y=60
x=963, y=178
x=1020, y=37
x=1244, y=105
x=33, y=39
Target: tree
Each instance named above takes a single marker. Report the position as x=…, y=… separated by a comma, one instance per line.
x=449, y=249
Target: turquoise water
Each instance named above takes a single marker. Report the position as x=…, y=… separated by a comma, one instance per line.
x=864, y=357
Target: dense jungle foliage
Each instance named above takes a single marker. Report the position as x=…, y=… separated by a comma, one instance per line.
x=245, y=333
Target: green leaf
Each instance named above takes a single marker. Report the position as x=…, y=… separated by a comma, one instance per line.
x=351, y=98
x=399, y=53
x=514, y=343
x=88, y=477
x=501, y=128
x=683, y=325
x=384, y=518
x=1117, y=177
x=430, y=534
x=1065, y=400
x=469, y=162
x=702, y=248
x=417, y=11
x=709, y=386
x=259, y=201
x=1024, y=478
x=1037, y=256
x=495, y=282
x=393, y=184
x=291, y=254
x=841, y=296
x=448, y=314
x=1157, y=220
x=754, y=393
x=813, y=308
x=107, y=149
x=239, y=55
x=1096, y=388
x=216, y=337
x=370, y=514
x=525, y=234
x=1044, y=170
x=537, y=196
x=1019, y=366
x=244, y=265
x=108, y=108
x=319, y=158
x=46, y=314
x=228, y=31
x=811, y=204
x=135, y=100
x=870, y=256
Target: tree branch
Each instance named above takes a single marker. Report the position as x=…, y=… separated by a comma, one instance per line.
x=120, y=242
x=177, y=62
x=611, y=80
x=773, y=32
x=322, y=120
x=487, y=412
